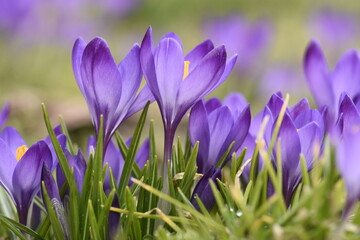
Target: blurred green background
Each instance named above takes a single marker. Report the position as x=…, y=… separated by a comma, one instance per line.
x=37, y=67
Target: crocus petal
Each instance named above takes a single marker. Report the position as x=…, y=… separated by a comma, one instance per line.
x=169, y=67
x=115, y=161
x=131, y=75
x=203, y=189
x=140, y=101
x=310, y=138
x=50, y=184
x=230, y=63
x=299, y=107
x=308, y=116
x=77, y=53
x=317, y=75
x=27, y=174
x=199, y=131
x=346, y=75
x=239, y=130
x=7, y=166
x=290, y=146
x=101, y=80
x=200, y=51
x=148, y=65
x=201, y=80
x=220, y=125
x=236, y=103
x=13, y=139
x=143, y=154
x=348, y=163
x=350, y=114
x=4, y=114
x=212, y=104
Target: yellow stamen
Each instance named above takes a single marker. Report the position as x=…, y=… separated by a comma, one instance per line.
x=20, y=151
x=186, y=69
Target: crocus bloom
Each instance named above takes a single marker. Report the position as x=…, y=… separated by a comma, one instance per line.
x=248, y=39
x=178, y=82
x=327, y=86
x=20, y=171
x=216, y=126
x=4, y=114
x=348, y=138
x=301, y=132
x=109, y=90
x=203, y=189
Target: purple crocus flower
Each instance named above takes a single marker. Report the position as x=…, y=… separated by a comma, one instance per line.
x=178, y=82
x=301, y=132
x=347, y=141
x=77, y=163
x=327, y=86
x=248, y=40
x=216, y=125
x=4, y=114
x=203, y=189
x=109, y=90
x=20, y=171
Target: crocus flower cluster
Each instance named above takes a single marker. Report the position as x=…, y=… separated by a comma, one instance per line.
x=301, y=132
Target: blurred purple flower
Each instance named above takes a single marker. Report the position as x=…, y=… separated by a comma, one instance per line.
x=301, y=132
x=178, y=82
x=216, y=125
x=20, y=171
x=327, y=86
x=334, y=28
x=348, y=138
x=109, y=90
x=248, y=40
x=4, y=114
x=203, y=189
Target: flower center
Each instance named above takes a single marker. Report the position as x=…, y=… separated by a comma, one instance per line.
x=186, y=69
x=20, y=151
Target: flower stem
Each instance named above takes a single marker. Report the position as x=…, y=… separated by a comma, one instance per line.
x=168, y=144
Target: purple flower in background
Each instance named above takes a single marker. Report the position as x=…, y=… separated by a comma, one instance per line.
x=327, y=86
x=116, y=161
x=77, y=163
x=301, y=132
x=178, y=82
x=248, y=40
x=4, y=114
x=216, y=125
x=347, y=142
x=109, y=89
x=20, y=170
x=333, y=27
x=203, y=189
